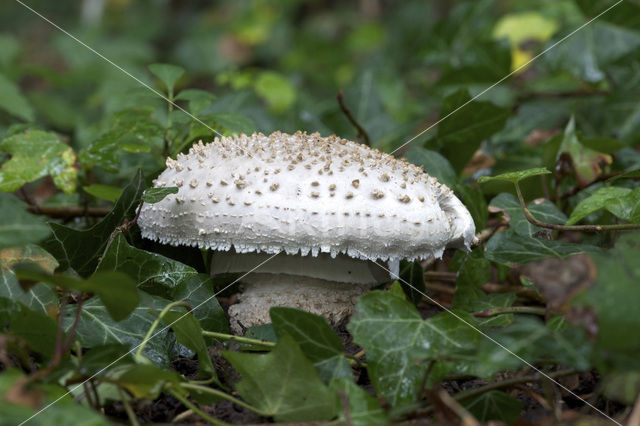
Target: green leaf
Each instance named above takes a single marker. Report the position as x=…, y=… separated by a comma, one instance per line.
x=35, y=328
x=147, y=381
x=399, y=343
x=626, y=207
x=40, y=297
x=62, y=409
x=543, y=210
x=106, y=192
x=623, y=386
x=152, y=272
x=12, y=101
x=597, y=201
x=199, y=100
x=168, y=74
x=284, y=384
x=587, y=163
x=189, y=333
x=276, y=90
x=494, y=405
x=235, y=123
x=615, y=296
x=97, y=328
x=473, y=268
x=510, y=248
x=80, y=249
x=412, y=280
x=35, y=154
x=130, y=130
x=434, y=164
x=18, y=227
x=529, y=339
x=515, y=177
x=316, y=339
x=116, y=290
x=155, y=195
x=461, y=133
x=624, y=14
x=364, y=408
x=198, y=290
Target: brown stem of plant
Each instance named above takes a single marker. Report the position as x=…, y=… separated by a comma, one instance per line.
x=503, y=384
x=362, y=135
x=581, y=228
x=535, y=310
x=68, y=212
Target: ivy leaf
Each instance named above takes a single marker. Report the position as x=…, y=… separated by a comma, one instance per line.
x=12, y=101
x=597, y=201
x=80, y=249
x=494, y=405
x=96, y=328
x=434, y=164
x=615, y=295
x=105, y=192
x=626, y=207
x=199, y=291
x=19, y=227
x=168, y=74
x=460, y=134
x=412, y=273
x=532, y=341
x=587, y=163
x=147, y=381
x=364, y=408
x=35, y=328
x=131, y=130
x=284, y=384
x=398, y=342
x=543, y=210
x=316, y=339
x=510, y=248
x=62, y=408
x=116, y=290
x=152, y=272
x=35, y=154
x=515, y=177
x=155, y=195
x=40, y=297
x=189, y=333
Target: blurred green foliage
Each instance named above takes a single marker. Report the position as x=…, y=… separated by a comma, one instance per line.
x=80, y=131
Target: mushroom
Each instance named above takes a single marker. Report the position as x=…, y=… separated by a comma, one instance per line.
x=334, y=209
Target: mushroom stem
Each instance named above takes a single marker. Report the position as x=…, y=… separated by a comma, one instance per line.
x=333, y=300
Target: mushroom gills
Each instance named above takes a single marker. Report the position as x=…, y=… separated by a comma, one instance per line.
x=342, y=268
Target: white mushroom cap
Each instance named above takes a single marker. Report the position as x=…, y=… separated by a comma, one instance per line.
x=305, y=194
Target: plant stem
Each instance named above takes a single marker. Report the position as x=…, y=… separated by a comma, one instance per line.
x=153, y=327
x=535, y=310
x=223, y=395
x=557, y=227
x=127, y=407
x=362, y=135
x=195, y=409
x=246, y=340
x=510, y=382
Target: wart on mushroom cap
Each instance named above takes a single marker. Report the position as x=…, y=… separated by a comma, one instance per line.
x=304, y=195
